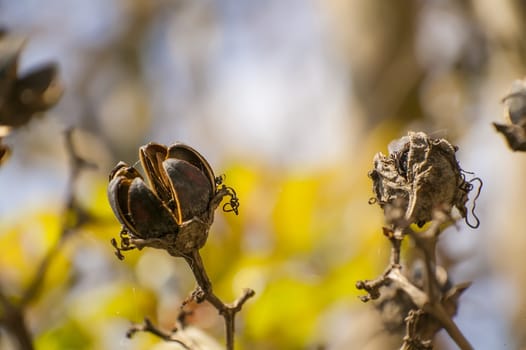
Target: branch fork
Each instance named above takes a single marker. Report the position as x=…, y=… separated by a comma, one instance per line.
x=203, y=292
x=433, y=304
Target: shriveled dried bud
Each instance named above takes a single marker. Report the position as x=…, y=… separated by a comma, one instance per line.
x=515, y=129
x=175, y=209
x=419, y=175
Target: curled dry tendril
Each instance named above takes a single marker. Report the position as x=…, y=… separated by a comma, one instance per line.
x=467, y=186
x=220, y=179
x=124, y=245
x=233, y=204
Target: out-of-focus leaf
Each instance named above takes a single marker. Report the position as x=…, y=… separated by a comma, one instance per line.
x=286, y=314
x=25, y=243
x=339, y=283
x=120, y=300
x=50, y=229
x=69, y=335
x=293, y=215
x=15, y=268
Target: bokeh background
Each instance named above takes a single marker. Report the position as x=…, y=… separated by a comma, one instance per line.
x=290, y=99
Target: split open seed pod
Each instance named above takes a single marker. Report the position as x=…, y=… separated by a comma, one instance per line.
x=173, y=208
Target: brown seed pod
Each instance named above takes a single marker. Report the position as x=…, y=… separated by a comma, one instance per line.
x=22, y=97
x=515, y=129
x=420, y=174
x=175, y=209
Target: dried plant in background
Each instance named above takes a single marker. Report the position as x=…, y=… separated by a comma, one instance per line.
x=22, y=97
x=419, y=181
x=13, y=309
x=515, y=129
x=173, y=212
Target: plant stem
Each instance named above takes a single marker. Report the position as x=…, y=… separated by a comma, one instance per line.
x=15, y=324
x=228, y=311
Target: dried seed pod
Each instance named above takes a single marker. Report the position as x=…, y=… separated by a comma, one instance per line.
x=420, y=174
x=515, y=129
x=175, y=209
x=23, y=97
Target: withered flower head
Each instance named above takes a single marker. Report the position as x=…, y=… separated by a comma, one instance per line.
x=175, y=208
x=419, y=175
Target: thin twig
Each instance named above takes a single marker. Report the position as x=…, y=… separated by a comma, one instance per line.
x=147, y=326
x=204, y=292
x=13, y=321
x=77, y=164
x=13, y=313
x=40, y=273
x=431, y=300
